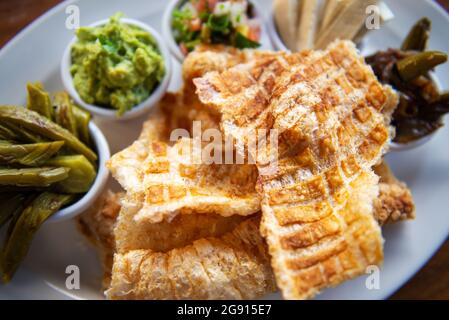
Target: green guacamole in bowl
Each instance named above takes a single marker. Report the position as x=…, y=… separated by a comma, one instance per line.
x=115, y=65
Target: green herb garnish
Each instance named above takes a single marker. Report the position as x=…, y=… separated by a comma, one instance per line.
x=243, y=42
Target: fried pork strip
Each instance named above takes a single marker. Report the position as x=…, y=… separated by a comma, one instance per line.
x=164, y=236
x=395, y=201
x=327, y=107
x=163, y=178
x=112, y=229
x=233, y=266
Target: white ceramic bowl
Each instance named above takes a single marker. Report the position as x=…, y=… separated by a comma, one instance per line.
x=278, y=44
x=396, y=147
x=102, y=149
x=265, y=42
x=137, y=110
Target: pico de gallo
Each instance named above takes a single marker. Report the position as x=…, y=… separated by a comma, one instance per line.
x=231, y=22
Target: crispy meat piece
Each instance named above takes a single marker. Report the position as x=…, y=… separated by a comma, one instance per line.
x=233, y=266
x=327, y=109
x=395, y=201
x=112, y=229
x=164, y=236
x=163, y=179
x=218, y=58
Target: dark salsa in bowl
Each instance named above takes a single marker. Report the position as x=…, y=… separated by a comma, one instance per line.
x=408, y=70
x=231, y=22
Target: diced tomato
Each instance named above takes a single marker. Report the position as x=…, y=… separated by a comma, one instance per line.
x=183, y=48
x=195, y=24
x=201, y=6
x=211, y=4
x=254, y=33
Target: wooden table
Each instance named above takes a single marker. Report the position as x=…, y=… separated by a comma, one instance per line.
x=431, y=282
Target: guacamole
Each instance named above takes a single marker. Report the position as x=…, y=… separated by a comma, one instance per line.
x=115, y=65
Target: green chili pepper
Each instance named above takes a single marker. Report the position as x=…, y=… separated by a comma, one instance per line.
x=38, y=124
x=26, y=225
x=32, y=177
x=418, y=36
x=28, y=154
x=419, y=64
x=39, y=100
x=80, y=177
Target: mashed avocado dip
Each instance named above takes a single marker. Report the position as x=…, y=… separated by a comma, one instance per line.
x=115, y=65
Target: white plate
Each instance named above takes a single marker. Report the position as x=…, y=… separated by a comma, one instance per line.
x=35, y=54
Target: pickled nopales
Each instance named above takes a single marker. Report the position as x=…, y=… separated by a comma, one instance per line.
x=38, y=124
x=39, y=100
x=82, y=118
x=77, y=119
x=28, y=154
x=419, y=64
x=45, y=164
x=6, y=133
x=22, y=232
x=32, y=177
x=10, y=131
x=64, y=115
x=418, y=36
x=81, y=175
x=10, y=205
x=27, y=189
x=16, y=215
